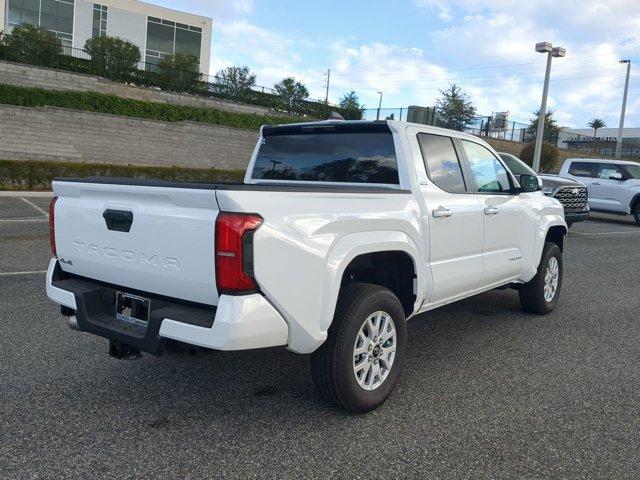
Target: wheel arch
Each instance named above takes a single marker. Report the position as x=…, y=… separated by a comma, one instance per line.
x=551, y=228
x=358, y=255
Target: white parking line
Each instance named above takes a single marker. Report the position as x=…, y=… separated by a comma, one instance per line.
x=29, y=202
x=10, y=274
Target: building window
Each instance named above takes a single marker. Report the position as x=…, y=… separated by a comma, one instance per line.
x=165, y=37
x=53, y=15
x=99, y=20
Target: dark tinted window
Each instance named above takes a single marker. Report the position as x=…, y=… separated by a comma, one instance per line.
x=344, y=153
x=442, y=162
x=517, y=166
x=583, y=169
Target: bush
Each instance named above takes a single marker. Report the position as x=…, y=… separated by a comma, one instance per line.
x=98, y=102
x=113, y=57
x=33, y=45
x=180, y=73
x=548, y=157
x=37, y=175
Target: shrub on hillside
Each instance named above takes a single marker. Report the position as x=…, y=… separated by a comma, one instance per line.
x=113, y=57
x=34, y=45
x=111, y=104
x=180, y=73
x=548, y=156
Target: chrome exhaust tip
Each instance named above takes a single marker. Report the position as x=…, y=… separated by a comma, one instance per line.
x=73, y=323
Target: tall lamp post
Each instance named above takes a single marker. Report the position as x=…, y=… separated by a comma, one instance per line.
x=544, y=47
x=379, y=106
x=624, y=106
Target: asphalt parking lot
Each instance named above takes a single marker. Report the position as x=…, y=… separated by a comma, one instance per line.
x=487, y=391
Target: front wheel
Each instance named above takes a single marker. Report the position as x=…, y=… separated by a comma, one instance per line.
x=540, y=294
x=636, y=214
x=359, y=364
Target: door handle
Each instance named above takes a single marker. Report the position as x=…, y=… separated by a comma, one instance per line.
x=491, y=211
x=441, y=212
x=595, y=183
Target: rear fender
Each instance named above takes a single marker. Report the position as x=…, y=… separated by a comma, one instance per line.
x=356, y=244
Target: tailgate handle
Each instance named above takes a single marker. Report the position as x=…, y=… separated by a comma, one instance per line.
x=118, y=220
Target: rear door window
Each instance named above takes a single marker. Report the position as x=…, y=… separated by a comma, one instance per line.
x=583, y=169
x=606, y=170
x=353, y=153
x=441, y=160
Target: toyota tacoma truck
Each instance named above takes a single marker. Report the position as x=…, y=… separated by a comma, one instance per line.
x=340, y=232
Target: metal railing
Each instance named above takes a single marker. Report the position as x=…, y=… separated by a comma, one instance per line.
x=152, y=75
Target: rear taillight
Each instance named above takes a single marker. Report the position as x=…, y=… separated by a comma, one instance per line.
x=234, y=252
x=52, y=226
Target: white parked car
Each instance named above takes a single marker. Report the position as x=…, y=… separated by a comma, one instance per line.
x=570, y=193
x=340, y=232
x=614, y=185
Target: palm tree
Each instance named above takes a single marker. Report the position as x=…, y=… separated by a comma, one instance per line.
x=596, y=123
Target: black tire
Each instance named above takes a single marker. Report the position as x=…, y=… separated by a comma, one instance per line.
x=636, y=214
x=332, y=364
x=532, y=297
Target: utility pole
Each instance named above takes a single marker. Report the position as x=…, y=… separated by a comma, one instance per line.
x=326, y=97
x=624, y=106
x=379, y=106
x=544, y=47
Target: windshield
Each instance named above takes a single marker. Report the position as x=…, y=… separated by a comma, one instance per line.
x=633, y=170
x=517, y=166
x=363, y=153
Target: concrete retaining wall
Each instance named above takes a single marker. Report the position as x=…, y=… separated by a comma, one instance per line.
x=50, y=79
x=71, y=135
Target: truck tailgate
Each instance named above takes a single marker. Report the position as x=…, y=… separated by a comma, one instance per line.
x=153, y=239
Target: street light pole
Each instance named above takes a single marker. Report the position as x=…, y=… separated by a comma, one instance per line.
x=544, y=47
x=624, y=106
x=379, y=106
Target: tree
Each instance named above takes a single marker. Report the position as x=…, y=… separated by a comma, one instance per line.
x=596, y=124
x=235, y=81
x=551, y=128
x=179, y=72
x=113, y=57
x=454, y=109
x=350, y=103
x=291, y=93
x=548, y=156
x=31, y=44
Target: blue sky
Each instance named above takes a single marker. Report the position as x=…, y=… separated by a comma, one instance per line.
x=409, y=49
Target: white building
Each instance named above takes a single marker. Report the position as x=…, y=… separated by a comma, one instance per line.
x=605, y=142
x=157, y=31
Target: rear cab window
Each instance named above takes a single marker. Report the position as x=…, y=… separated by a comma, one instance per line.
x=583, y=169
x=332, y=153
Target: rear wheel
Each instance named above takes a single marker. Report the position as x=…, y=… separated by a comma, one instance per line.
x=360, y=362
x=636, y=214
x=540, y=294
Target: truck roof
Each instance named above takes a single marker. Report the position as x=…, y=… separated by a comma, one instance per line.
x=394, y=124
x=602, y=160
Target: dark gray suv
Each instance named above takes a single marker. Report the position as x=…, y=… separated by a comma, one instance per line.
x=572, y=195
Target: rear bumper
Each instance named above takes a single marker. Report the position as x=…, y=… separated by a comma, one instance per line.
x=237, y=323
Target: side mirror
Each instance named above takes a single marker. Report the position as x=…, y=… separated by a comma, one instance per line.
x=615, y=176
x=530, y=183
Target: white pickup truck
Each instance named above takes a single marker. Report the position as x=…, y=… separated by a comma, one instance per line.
x=340, y=232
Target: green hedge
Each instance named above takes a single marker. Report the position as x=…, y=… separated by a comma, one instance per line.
x=102, y=103
x=37, y=175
